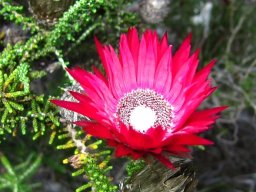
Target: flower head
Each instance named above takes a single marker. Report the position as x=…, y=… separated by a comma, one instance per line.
x=147, y=102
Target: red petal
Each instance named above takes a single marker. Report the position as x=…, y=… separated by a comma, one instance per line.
x=156, y=136
x=163, y=76
x=95, y=129
x=181, y=55
x=98, y=73
x=121, y=151
x=101, y=54
x=187, y=139
x=201, y=115
x=141, y=62
x=135, y=139
x=128, y=63
x=177, y=149
x=81, y=97
x=201, y=120
x=115, y=73
x=187, y=70
x=134, y=44
x=162, y=47
x=156, y=150
x=94, y=87
x=150, y=60
x=164, y=160
x=87, y=111
x=193, y=64
x=203, y=74
x=190, y=106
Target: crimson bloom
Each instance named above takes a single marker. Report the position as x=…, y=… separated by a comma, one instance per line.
x=147, y=103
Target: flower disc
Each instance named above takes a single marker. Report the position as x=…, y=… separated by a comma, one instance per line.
x=146, y=100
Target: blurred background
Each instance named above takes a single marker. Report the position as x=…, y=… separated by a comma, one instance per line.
x=222, y=29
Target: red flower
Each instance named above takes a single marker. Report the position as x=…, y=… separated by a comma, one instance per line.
x=146, y=104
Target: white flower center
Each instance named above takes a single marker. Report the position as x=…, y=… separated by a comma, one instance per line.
x=144, y=108
x=142, y=118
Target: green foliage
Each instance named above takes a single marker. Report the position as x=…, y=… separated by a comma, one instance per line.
x=134, y=167
x=24, y=112
x=74, y=21
x=116, y=9
x=18, y=105
x=90, y=159
x=15, y=178
x=20, y=108
x=15, y=13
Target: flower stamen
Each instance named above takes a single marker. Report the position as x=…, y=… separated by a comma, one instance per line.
x=143, y=109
